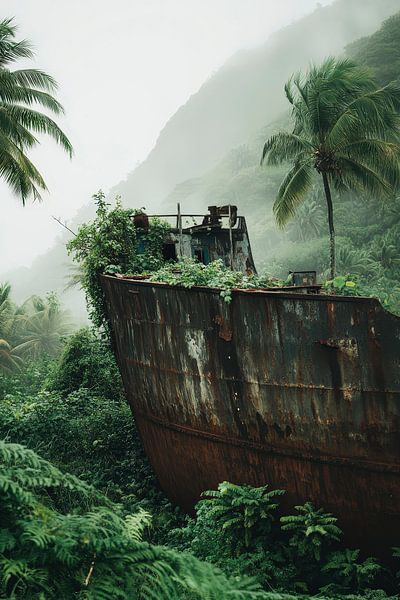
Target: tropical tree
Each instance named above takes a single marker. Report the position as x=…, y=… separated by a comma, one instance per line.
x=20, y=91
x=9, y=359
x=386, y=252
x=350, y=260
x=345, y=129
x=44, y=326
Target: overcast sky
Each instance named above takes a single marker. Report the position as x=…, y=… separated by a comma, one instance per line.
x=123, y=68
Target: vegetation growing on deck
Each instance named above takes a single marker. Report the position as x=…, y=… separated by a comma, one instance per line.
x=109, y=244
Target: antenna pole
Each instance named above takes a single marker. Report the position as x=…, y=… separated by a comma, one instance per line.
x=230, y=236
x=180, y=230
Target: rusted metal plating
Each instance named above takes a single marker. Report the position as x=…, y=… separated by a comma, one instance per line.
x=295, y=390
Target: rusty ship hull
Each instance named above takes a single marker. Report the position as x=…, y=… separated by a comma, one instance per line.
x=298, y=391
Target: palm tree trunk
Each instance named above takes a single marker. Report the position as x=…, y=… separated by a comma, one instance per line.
x=331, y=227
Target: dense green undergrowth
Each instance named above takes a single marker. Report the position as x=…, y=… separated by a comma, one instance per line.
x=54, y=528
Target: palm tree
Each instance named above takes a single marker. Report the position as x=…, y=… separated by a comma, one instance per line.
x=355, y=262
x=20, y=91
x=345, y=129
x=45, y=324
x=386, y=253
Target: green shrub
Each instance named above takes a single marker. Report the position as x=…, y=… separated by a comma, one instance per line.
x=96, y=440
x=188, y=272
x=312, y=531
x=28, y=380
x=349, y=573
x=86, y=362
x=241, y=515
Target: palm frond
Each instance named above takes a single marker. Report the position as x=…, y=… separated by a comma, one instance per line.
x=358, y=175
x=32, y=78
x=283, y=147
x=20, y=91
x=375, y=113
x=292, y=192
x=11, y=94
x=9, y=49
x=40, y=123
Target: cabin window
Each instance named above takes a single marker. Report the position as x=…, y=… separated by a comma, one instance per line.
x=199, y=254
x=169, y=251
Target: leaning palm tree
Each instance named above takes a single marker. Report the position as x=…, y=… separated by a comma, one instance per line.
x=20, y=92
x=345, y=130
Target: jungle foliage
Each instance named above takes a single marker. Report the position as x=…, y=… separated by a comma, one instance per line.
x=60, y=538
x=109, y=244
x=86, y=361
x=375, y=50
x=31, y=330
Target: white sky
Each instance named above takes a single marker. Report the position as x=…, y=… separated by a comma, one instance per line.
x=123, y=68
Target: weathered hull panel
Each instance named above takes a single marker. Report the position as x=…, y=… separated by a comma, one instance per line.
x=298, y=391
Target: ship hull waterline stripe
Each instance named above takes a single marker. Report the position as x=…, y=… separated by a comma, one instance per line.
x=223, y=439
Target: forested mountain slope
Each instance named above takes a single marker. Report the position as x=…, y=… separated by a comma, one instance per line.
x=244, y=95
x=380, y=51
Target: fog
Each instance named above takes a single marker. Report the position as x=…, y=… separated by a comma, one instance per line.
x=123, y=69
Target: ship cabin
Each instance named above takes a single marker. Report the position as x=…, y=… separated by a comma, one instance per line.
x=220, y=234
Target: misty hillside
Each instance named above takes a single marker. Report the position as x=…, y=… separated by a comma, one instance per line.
x=239, y=179
x=244, y=95
x=209, y=150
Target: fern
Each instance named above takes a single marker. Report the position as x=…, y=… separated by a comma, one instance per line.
x=242, y=513
x=311, y=531
x=349, y=573
x=95, y=554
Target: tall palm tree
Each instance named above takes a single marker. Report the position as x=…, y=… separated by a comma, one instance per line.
x=345, y=129
x=20, y=91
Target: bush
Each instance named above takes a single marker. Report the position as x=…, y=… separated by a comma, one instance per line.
x=109, y=244
x=96, y=440
x=86, y=362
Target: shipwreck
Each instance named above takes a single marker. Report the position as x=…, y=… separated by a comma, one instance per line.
x=288, y=386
